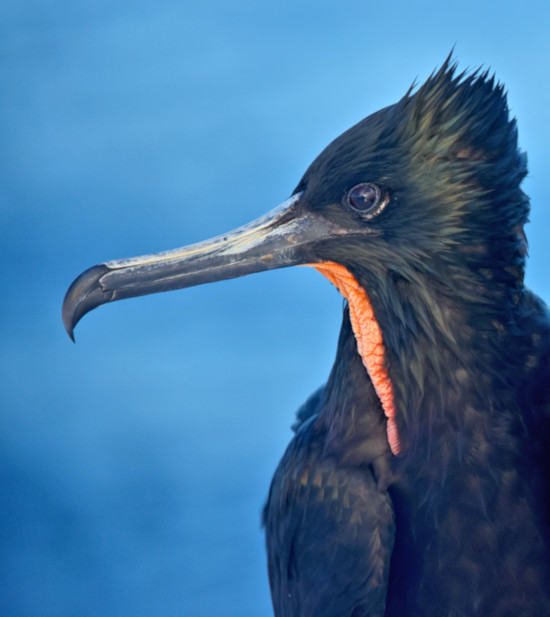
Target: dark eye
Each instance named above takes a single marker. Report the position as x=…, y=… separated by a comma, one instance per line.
x=367, y=199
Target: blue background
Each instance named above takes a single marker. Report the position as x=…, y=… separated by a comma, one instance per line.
x=134, y=465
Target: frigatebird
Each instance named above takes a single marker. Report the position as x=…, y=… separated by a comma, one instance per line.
x=417, y=481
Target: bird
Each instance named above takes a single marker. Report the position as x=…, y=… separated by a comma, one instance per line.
x=417, y=478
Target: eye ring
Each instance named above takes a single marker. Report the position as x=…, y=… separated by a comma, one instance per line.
x=366, y=199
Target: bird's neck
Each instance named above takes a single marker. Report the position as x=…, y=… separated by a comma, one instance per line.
x=423, y=345
x=433, y=360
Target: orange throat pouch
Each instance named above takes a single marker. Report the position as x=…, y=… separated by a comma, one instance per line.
x=368, y=335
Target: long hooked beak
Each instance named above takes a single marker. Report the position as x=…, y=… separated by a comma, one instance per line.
x=283, y=237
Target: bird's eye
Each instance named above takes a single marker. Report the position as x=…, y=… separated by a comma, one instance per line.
x=366, y=199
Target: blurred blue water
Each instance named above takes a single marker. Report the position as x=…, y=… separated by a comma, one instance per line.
x=134, y=465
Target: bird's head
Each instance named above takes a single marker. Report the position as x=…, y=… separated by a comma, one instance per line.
x=411, y=212
x=428, y=188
